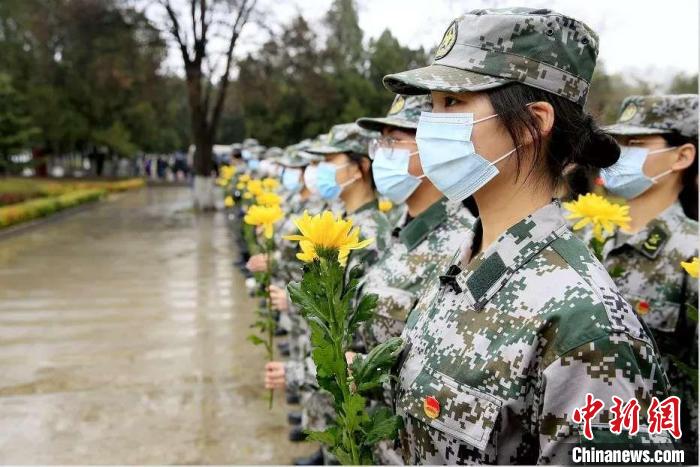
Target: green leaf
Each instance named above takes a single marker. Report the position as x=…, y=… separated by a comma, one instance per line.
x=692, y=313
x=354, y=410
x=256, y=340
x=617, y=271
x=328, y=437
x=343, y=456
x=383, y=424
x=372, y=370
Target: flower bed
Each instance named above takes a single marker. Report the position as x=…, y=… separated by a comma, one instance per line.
x=40, y=207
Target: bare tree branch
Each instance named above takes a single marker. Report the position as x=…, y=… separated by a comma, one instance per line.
x=241, y=19
x=175, y=31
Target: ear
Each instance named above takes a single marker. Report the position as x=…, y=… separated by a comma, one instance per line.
x=544, y=114
x=685, y=155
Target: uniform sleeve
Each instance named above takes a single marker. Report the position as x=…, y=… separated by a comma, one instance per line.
x=293, y=373
x=615, y=365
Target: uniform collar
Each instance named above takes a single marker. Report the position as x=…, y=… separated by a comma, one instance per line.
x=420, y=226
x=482, y=276
x=650, y=240
x=374, y=204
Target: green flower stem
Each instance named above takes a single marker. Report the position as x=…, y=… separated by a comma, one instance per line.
x=338, y=328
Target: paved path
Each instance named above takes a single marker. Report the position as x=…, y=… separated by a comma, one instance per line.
x=122, y=340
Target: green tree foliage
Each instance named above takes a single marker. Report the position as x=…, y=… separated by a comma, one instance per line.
x=90, y=73
x=16, y=126
x=294, y=87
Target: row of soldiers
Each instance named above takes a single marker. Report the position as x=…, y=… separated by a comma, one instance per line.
x=509, y=319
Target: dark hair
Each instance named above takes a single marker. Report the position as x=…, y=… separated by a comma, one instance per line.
x=579, y=181
x=357, y=158
x=575, y=137
x=688, y=196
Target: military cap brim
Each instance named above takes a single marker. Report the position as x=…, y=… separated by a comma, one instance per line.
x=378, y=124
x=310, y=157
x=623, y=129
x=295, y=162
x=440, y=78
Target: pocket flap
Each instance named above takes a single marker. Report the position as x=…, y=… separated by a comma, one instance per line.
x=457, y=410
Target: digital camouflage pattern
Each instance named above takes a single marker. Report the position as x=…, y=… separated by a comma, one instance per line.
x=487, y=48
x=403, y=113
x=509, y=346
x=343, y=138
x=418, y=250
x=656, y=115
x=417, y=253
x=646, y=268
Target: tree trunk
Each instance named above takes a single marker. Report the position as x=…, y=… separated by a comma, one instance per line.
x=203, y=141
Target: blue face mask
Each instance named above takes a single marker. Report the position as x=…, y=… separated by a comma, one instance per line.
x=246, y=154
x=390, y=171
x=626, y=177
x=291, y=179
x=448, y=156
x=326, y=184
x=253, y=164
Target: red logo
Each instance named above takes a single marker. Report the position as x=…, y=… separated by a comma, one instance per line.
x=431, y=407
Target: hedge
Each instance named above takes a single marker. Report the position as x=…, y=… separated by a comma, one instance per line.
x=35, y=208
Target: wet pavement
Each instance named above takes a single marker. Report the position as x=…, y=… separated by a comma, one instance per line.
x=123, y=340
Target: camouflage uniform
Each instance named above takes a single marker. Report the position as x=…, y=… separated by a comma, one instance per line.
x=418, y=250
x=506, y=344
x=510, y=345
x=646, y=265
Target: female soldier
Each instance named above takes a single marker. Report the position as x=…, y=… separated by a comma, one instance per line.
x=657, y=176
x=425, y=238
x=507, y=344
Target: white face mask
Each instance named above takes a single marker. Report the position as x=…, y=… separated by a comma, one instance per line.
x=448, y=156
x=626, y=177
x=310, y=176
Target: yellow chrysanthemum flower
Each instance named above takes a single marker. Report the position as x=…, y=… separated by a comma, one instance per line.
x=324, y=232
x=270, y=184
x=228, y=202
x=385, y=205
x=267, y=198
x=244, y=178
x=598, y=211
x=255, y=187
x=221, y=181
x=265, y=216
x=227, y=172
x=240, y=186
x=247, y=195
x=691, y=267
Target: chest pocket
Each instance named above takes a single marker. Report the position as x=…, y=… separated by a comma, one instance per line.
x=393, y=303
x=660, y=315
x=453, y=409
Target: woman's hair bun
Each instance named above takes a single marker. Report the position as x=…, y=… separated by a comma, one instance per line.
x=593, y=147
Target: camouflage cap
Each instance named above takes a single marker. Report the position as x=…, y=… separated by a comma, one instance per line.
x=309, y=157
x=404, y=113
x=292, y=155
x=656, y=115
x=347, y=137
x=250, y=142
x=488, y=48
x=273, y=153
